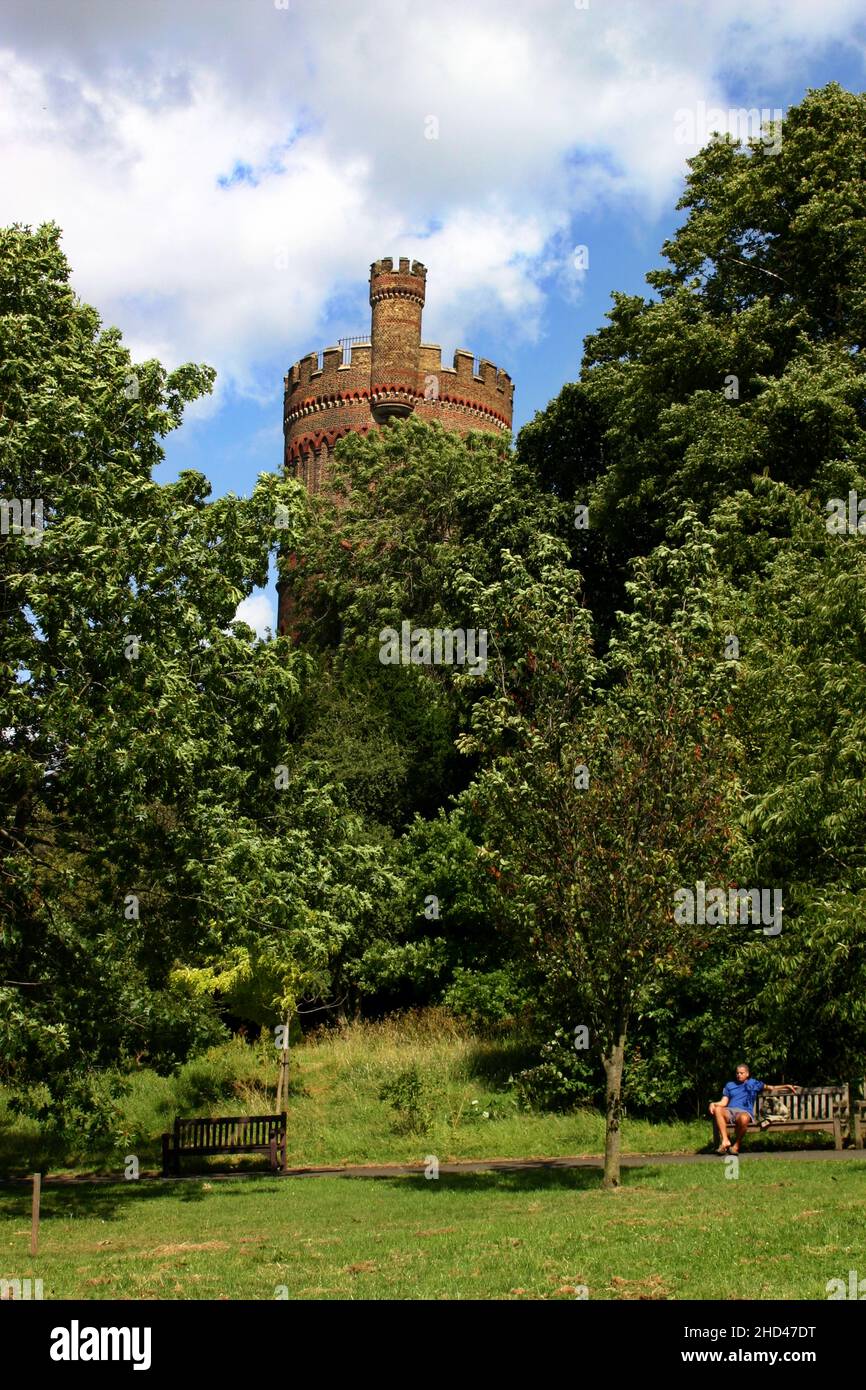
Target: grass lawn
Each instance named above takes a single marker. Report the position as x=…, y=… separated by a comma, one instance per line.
x=780, y=1231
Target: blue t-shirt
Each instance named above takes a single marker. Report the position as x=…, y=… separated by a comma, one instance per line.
x=741, y=1095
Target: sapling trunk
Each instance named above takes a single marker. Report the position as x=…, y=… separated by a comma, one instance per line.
x=613, y=1066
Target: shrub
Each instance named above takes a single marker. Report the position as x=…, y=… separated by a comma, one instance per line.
x=484, y=998
x=88, y=1121
x=561, y=1079
x=407, y=1095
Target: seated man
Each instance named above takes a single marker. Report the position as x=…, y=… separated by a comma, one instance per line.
x=737, y=1107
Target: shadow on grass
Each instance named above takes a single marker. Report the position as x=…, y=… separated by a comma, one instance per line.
x=106, y=1201
x=82, y=1201
x=526, y=1180
x=103, y=1200
x=22, y=1154
x=494, y=1062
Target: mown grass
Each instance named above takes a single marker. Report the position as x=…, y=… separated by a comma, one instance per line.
x=336, y=1115
x=781, y=1231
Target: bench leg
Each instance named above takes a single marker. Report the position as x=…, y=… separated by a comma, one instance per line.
x=273, y=1155
x=837, y=1130
x=855, y=1116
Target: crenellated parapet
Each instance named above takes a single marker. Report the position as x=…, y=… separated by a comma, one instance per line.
x=488, y=389
x=406, y=282
x=327, y=372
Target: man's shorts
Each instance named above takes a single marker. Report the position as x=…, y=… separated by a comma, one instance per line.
x=731, y=1114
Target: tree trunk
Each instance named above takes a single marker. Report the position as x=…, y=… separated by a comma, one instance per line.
x=283, y=1082
x=613, y=1063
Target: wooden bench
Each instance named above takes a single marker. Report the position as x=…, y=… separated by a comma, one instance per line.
x=832, y=1109
x=235, y=1134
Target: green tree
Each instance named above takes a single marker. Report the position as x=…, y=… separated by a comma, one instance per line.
x=745, y=359
x=152, y=818
x=617, y=789
x=737, y=388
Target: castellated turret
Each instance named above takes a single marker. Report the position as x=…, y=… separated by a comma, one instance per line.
x=362, y=382
x=396, y=301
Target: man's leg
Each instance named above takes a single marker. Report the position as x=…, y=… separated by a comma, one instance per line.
x=741, y=1124
x=719, y=1114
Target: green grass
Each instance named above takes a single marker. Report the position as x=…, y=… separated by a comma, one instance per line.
x=336, y=1116
x=780, y=1231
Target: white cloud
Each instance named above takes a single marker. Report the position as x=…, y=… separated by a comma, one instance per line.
x=258, y=612
x=119, y=122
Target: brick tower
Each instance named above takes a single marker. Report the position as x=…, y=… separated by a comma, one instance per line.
x=396, y=301
x=362, y=382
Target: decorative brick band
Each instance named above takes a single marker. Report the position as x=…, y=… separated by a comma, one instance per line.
x=312, y=443
x=323, y=404
x=332, y=400
x=474, y=406
x=386, y=391
x=396, y=292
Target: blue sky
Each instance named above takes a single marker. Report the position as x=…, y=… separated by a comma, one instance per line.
x=226, y=170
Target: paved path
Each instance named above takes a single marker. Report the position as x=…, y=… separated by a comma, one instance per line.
x=477, y=1165
x=516, y=1165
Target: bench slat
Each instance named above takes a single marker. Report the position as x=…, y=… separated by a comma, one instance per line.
x=226, y=1134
